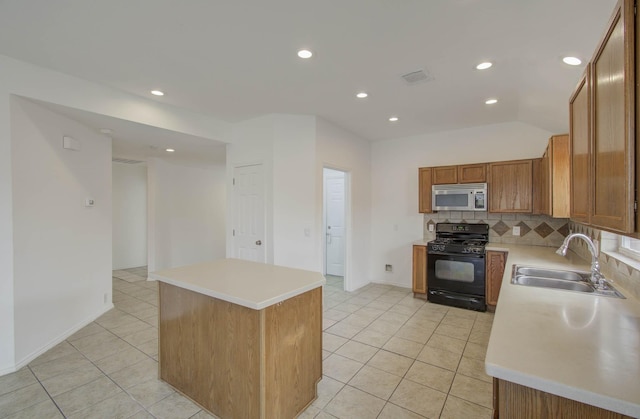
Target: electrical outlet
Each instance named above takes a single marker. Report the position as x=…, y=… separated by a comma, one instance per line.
x=388, y=268
x=431, y=227
x=516, y=230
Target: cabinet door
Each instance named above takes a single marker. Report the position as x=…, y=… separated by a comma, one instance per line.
x=580, y=145
x=472, y=173
x=560, y=176
x=537, y=186
x=424, y=190
x=495, y=271
x=612, y=76
x=510, y=186
x=445, y=174
x=420, y=269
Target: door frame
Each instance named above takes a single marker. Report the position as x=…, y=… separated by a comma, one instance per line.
x=347, y=223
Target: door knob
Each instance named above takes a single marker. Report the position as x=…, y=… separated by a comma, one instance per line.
x=259, y=242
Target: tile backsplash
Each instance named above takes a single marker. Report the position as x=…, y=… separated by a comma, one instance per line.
x=536, y=230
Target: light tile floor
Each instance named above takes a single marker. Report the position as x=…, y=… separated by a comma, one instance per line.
x=386, y=355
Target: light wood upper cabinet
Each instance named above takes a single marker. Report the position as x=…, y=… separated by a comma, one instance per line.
x=494, y=272
x=538, y=186
x=472, y=173
x=424, y=190
x=419, y=269
x=580, y=136
x=510, y=186
x=557, y=189
x=613, y=112
x=445, y=174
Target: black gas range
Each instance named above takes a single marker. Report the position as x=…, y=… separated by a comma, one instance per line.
x=456, y=265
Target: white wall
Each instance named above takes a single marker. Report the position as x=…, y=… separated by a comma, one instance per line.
x=252, y=143
x=129, y=189
x=285, y=145
x=296, y=242
x=187, y=214
x=340, y=149
x=396, y=222
x=62, y=249
x=20, y=78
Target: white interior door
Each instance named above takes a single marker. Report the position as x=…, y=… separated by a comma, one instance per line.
x=334, y=221
x=249, y=213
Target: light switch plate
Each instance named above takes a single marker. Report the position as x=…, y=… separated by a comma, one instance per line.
x=516, y=230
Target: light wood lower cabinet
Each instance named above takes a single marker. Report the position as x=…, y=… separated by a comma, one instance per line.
x=419, y=269
x=237, y=362
x=516, y=401
x=495, y=263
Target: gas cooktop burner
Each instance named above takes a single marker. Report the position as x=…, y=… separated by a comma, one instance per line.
x=460, y=238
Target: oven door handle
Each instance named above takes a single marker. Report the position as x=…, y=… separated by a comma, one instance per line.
x=460, y=255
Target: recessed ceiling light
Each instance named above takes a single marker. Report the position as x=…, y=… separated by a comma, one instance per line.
x=170, y=150
x=572, y=60
x=491, y=101
x=484, y=66
x=362, y=95
x=305, y=53
x=157, y=92
x=393, y=119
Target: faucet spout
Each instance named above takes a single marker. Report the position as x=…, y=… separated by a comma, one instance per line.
x=596, y=276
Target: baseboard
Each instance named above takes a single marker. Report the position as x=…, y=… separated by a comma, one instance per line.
x=58, y=340
x=6, y=371
x=395, y=284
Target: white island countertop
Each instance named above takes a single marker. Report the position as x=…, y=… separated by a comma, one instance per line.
x=579, y=346
x=249, y=284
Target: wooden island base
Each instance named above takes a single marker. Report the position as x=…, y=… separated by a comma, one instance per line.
x=237, y=362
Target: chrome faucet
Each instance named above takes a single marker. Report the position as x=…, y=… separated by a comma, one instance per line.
x=596, y=276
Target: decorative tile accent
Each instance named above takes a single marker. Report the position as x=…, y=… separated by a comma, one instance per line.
x=524, y=228
x=500, y=228
x=564, y=230
x=544, y=230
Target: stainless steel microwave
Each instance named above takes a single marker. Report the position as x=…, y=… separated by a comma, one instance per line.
x=460, y=197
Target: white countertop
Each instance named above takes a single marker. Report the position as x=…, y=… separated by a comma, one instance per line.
x=250, y=284
x=579, y=346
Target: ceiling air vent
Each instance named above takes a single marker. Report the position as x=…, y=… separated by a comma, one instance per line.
x=419, y=76
x=125, y=161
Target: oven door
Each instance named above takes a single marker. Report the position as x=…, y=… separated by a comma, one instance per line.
x=457, y=273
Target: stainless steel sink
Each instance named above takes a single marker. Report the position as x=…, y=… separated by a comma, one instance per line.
x=562, y=280
x=535, y=281
x=552, y=273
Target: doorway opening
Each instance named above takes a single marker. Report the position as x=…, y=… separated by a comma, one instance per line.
x=335, y=209
x=129, y=219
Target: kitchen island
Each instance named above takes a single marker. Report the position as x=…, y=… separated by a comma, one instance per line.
x=557, y=353
x=241, y=339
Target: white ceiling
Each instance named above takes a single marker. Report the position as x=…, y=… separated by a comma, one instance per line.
x=131, y=140
x=237, y=59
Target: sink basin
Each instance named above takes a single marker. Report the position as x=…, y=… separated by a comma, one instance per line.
x=535, y=281
x=562, y=280
x=551, y=273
